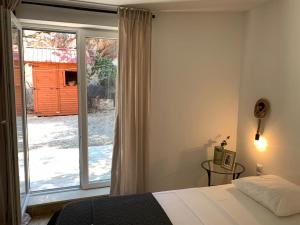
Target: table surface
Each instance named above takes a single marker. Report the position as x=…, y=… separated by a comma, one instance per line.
x=210, y=166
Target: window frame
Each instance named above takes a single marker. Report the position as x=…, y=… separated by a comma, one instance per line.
x=88, y=33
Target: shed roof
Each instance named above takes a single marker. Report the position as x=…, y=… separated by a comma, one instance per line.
x=50, y=55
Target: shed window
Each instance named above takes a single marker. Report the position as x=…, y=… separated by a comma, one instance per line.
x=70, y=78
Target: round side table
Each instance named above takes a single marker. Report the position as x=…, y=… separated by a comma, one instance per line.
x=210, y=168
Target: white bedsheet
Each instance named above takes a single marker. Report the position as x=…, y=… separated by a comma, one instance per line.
x=219, y=205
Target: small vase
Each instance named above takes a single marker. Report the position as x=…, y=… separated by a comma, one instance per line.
x=218, y=155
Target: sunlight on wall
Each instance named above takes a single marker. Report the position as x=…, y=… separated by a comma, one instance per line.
x=261, y=144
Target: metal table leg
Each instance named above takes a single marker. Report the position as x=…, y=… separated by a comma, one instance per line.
x=209, y=177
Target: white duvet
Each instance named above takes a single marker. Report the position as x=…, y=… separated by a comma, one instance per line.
x=219, y=205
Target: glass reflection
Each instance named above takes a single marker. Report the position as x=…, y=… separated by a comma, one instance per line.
x=101, y=72
x=19, y=109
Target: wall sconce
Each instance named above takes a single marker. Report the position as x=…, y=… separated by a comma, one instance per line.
x=261, y=109
x=261, y=144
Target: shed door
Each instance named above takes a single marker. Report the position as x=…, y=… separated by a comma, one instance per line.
x=46, y=89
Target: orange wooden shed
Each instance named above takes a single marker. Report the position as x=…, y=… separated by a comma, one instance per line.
x=55, y=90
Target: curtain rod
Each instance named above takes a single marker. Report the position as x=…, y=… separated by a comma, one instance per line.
x=73, y=7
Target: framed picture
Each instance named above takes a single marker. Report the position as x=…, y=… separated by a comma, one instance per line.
x=228, y=160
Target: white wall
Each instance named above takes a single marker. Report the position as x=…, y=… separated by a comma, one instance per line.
x=272, y=70
x=196, y=68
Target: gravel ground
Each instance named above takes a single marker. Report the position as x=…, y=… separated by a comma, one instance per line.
x=54, y=149
x=62, y=131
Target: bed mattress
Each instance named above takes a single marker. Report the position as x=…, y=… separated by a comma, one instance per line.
x=217, y=205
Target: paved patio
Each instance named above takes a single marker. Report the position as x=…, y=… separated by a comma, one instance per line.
x=54, y=149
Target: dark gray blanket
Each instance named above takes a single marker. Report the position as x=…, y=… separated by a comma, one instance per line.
x=142, y=209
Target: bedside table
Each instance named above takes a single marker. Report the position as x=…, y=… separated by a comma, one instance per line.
x=210, y=168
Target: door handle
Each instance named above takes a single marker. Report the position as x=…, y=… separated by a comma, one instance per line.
x=3, y=122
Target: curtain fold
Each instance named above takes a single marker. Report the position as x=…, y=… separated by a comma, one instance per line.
x=132, y=102
x=9, y=189
x=10, y=4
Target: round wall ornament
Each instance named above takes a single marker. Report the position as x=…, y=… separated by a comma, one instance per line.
x=261, y=108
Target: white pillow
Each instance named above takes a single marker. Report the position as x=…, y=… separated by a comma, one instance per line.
x=275, y=193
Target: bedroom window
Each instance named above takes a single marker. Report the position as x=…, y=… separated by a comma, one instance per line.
x=52, y=109
x=70, y=104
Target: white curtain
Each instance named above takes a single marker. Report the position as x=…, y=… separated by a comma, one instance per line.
x=9, y=181
x=133, y=98
x=10, y=4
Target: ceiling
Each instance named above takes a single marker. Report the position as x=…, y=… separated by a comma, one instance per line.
x=174, y=5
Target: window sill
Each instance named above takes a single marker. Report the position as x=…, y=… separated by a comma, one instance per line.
x=68, y=195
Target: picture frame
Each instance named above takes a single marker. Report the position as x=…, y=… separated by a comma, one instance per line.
x=228, y=159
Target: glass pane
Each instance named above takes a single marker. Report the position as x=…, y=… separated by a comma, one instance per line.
x=101, y=71
x=19, y=108
x=52, y=109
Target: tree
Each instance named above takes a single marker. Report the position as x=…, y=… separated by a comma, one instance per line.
x=101, y=54
x=101, y=70
x=49, y=40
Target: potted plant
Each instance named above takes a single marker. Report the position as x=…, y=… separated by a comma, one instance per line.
x=219, y=151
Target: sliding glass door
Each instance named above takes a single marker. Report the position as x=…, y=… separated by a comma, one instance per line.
x=98, y=52
x=70, y=99
x=64, y=88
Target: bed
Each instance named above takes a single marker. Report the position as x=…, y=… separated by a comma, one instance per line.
x=216, y=205
x=223, y=204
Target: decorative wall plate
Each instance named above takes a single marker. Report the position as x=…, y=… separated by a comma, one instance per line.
x=261, y=108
